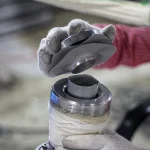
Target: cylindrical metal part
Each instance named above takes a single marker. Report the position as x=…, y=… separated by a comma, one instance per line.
x=97, y=106
x=82, y=86
x=83, y=65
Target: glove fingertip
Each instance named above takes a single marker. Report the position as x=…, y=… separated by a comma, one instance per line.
x=54, y=38
x=109, y=31
x=77, y=25
x=67, y=141
x=53, y=45
x=81, y=142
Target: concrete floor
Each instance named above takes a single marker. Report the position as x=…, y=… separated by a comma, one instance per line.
x=23, y=102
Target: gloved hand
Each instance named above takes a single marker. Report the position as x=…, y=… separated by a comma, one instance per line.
x=109, y=140
x=50, y=45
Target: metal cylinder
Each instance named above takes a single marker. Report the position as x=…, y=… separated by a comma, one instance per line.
x=70, y=95
x=82, y=86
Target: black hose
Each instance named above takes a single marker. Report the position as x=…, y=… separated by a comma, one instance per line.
x=133, y=120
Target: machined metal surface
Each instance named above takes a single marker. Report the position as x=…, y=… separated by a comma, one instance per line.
x=77, y=38
x=96, y=106
x=81, y=54
x=82, y=86
x=83, y=65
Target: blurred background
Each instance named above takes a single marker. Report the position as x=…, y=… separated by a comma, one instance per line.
x=24, y=91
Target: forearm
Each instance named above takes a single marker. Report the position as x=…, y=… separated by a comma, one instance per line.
x=133, y=47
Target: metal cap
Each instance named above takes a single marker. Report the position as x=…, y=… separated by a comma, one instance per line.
x=66, y=95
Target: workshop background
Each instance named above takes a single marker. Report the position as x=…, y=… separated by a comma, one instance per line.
x=24, y=90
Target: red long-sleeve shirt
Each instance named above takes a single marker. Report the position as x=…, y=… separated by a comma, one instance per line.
x=133, y=46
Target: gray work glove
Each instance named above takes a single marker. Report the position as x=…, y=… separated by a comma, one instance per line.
x=50, y=45
x=109, y=140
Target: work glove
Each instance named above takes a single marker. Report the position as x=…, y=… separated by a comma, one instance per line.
x=108, y=140
x=51, y=45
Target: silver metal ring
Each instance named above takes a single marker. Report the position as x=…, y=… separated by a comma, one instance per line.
x=83, y=65
x=96, y=107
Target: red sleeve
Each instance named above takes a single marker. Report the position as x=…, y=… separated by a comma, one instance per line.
x=133, y=46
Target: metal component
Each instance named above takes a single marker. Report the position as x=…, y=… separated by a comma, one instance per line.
x=97, y=106
x=81, y=54
x=82, y=86
x=77, y=38
x=83, y=65
x=81, y=58
x=45, y=146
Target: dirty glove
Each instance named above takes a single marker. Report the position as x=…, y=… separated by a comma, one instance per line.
x=51, y=45
x=109, y=140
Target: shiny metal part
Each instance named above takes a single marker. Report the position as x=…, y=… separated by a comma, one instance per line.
x=83, y=65
x=82, y=55
x=77, y=38
x=45, y=146
x=82, y=86
x=96, y=106
x=81, y=58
